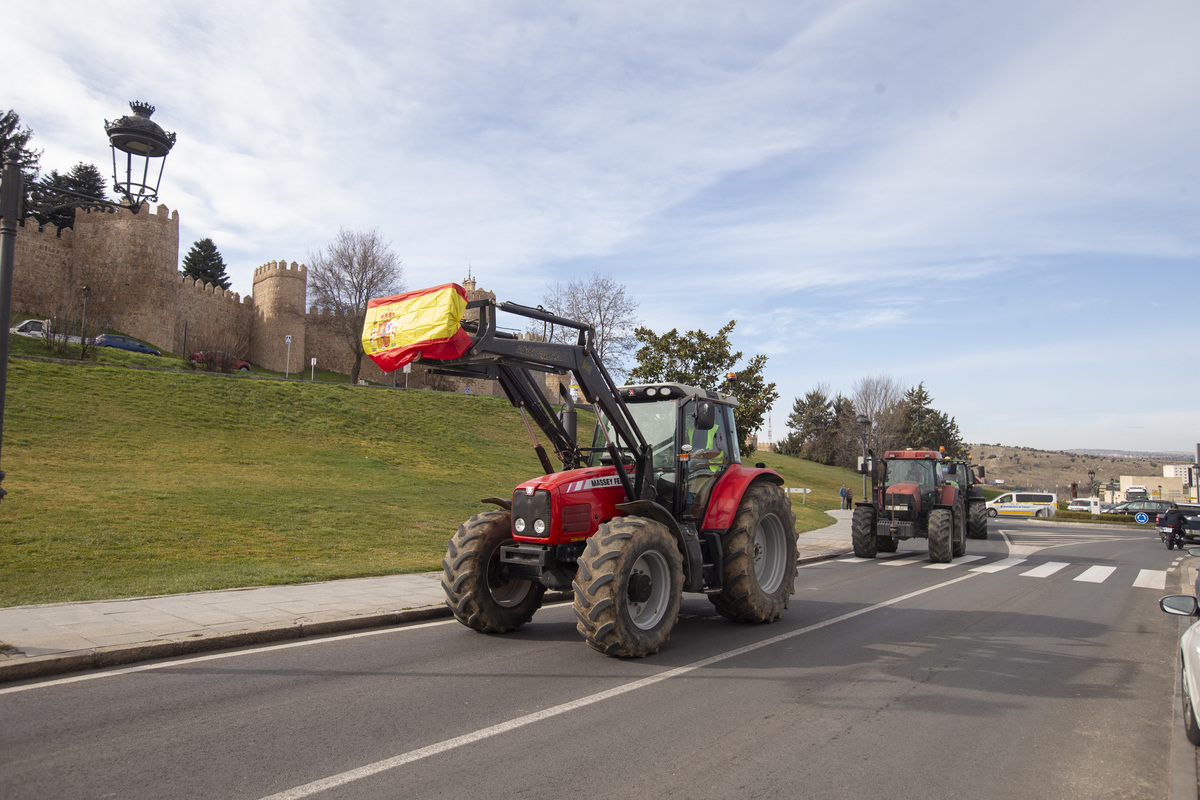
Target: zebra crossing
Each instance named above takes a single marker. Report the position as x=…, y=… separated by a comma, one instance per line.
x=1095, y=574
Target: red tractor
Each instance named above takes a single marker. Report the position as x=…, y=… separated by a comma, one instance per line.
x=657, y=504
x=912, y=498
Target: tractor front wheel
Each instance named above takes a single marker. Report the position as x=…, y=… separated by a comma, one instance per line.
x=629, y=587
x=476, y=591
x=979, y=521
x=759, y=572
x=941, y=531
x=862, y=532
x=959, y=545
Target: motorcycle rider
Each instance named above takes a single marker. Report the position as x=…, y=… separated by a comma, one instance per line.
x=1174, y=519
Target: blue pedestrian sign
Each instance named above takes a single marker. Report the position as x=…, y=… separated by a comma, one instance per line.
x=1141, y=517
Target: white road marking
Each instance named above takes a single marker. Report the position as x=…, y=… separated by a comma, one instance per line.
x=997, y=566
x=1096, y=574
x=955, y=563
x=92, y=676
x=1045, y=570
x=1151, y=579
x=901, y=562
x=367, y=770
x=854, y=560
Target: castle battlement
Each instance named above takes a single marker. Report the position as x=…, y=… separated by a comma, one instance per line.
x=281, y=269
x=196, y=285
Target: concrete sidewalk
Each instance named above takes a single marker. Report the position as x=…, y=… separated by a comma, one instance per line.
x=36, y=641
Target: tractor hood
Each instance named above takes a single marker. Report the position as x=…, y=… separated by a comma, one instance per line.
x=901, y=497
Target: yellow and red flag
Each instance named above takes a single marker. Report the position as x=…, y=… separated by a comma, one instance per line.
x=422, y=323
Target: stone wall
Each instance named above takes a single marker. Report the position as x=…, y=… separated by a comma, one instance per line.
x=130, y=264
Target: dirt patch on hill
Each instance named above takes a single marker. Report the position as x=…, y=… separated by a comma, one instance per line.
x=1051, y=471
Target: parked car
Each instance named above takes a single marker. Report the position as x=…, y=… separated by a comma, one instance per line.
x=1191, y=522
x=31, y=327
x=1151, y=508
x=123, y=343
x=1090, y=505
x=220, y=360
x=1184, y=605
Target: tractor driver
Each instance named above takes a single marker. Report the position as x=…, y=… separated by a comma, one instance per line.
x=706, y=461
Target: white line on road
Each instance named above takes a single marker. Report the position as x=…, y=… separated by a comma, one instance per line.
x=997, y=566
x=1096, y=574
x=1151, y=579
x=366, y=771
x=958, y=562
x=900, y=562
x=1045, y=570
x=92, y=676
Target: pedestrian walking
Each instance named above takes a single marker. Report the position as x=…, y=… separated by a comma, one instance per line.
x=845, y=495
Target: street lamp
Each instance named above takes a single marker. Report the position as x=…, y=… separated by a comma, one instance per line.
x=1091, y=483
x=865, y=422
x=144, y=145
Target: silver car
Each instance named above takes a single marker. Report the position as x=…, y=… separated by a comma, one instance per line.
x=1185, y=605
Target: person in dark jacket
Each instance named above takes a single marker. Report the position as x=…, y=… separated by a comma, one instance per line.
x=1174, y=520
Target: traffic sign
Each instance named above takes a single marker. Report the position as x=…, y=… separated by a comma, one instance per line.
x=1141, y=517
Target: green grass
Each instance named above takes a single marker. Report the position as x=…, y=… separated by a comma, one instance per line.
x=132, y=482
x=126, y=482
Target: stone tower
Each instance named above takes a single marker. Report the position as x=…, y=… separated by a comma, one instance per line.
x=279, y=294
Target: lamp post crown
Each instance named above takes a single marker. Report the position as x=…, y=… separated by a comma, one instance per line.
x=138, y=135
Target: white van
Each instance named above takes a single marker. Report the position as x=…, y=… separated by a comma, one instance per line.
x=1023, y=504
x=1089, y=505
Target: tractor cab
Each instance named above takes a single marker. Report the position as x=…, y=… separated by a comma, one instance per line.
x=690, y=432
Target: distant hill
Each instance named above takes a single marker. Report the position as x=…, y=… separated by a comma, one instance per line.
x=1144, y=455
x=1056, y=470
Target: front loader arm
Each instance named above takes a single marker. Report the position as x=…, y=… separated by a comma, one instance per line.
x=503, y=357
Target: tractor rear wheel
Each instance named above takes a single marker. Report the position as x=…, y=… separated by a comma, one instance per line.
x=759, y=573
x=862, y=532
x=476, y=591
x=978, y=524
x=941, y=531
x=629, y=587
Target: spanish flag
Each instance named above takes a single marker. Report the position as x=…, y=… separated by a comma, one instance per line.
x=419, y=324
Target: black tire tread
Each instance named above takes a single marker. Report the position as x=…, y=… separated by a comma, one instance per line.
x=465, y=581
x=742, y=599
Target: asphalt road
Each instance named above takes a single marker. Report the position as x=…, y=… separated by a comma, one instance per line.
x=889, y=678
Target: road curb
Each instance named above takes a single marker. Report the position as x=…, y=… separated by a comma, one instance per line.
x=20, y=669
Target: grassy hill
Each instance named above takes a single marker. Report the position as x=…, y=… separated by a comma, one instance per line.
x=126, y=482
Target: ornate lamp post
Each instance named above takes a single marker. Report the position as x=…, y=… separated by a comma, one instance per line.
x=1091, y=483
x=865, y=422
x=143, y=144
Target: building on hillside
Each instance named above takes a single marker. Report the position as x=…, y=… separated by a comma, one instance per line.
x=129, y=264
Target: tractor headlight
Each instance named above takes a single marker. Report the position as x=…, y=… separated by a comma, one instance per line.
x=539, y=526
x=519, y=525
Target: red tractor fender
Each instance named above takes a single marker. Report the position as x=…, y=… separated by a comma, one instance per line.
x=727, y=494
x=947, y=496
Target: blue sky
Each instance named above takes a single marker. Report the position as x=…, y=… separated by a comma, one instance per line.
x=999, y=199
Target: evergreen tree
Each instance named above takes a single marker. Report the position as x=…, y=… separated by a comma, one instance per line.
x=204, y=263
x=13, y=135
x=83, y=179
x=926, y=428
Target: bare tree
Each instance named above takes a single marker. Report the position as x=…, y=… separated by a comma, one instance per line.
x=602, y=303
x=879, y=397
x=352, y=269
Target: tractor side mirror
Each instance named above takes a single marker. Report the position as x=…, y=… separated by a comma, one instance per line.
x=953, y=470
x=981, y=472
x=706, y=415
x=864, y=466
